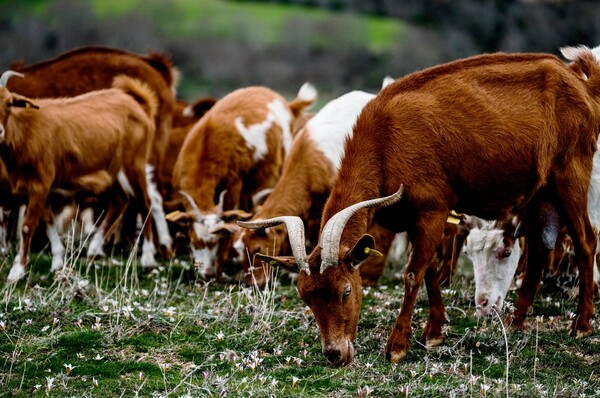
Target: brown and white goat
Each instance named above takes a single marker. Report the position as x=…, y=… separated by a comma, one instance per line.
x=305, y=183
x=92, y=68
x=94, y=142
x=488, y=135
x=235, y=150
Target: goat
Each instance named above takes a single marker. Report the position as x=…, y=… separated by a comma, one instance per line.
x=238, y=147
x=455, y=136
x=305, y=183
x=184, y=118
x=88, y=143
x=494, y=273
x=92, y=68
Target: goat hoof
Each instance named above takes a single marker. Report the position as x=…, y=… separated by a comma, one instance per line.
x=17, y=272
x=148, y=261
x=395, y=357
x=396, y=351
x=582, y=331
x=514, y=323
x=57, y=265
x=434, y=342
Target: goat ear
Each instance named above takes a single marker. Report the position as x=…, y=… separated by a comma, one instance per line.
x=181, y=217
x=361, y=251
x=234, y=215
x=226, y=229
x=19, y=101
x=286, y=262
x=469, y=222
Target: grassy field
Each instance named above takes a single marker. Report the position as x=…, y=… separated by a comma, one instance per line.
x=108, y=329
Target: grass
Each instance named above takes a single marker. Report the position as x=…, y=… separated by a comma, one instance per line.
x=255, y=22
x=108, y=329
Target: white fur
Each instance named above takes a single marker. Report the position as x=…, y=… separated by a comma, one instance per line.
x=56, y=246
x=205, y=258
x=204, y=261
x=17, y=272
x=158, y=213
x=283, y=118
x=124, y=182
x=4, y=241
x=18, y=269
x=256, y=134
x=307, y=93
x=493, y=276
x=148, y=252
x=96, y=246
x=330, y=127
x=387, y=81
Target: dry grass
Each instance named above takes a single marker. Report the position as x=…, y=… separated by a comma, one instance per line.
x=107, y=328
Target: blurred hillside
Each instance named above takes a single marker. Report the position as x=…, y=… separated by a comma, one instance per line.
x=339, y=45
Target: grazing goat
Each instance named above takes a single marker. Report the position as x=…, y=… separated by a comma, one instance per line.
x=490, y=135
x=184, y=118
x=235, y=150
x=305, y=183
x=84, y=143
x=494, y=273
x=92, y=68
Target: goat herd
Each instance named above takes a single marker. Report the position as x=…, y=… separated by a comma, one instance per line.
x=509, y=138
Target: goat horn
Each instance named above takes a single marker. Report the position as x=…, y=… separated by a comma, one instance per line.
x=295, y=228
x=195, y=208
x=260, y=196
x=221, y=203
x=7, y=75
x=332, y=231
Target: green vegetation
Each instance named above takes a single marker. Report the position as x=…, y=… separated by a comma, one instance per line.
x=252, y=22
x=105, y=328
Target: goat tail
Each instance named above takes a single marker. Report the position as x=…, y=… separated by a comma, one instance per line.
x=307, y=95
x=585, y=61
x=140, y=91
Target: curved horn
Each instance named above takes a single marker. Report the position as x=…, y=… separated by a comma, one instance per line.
x=260, y=196
x=295, y=228
x=7, y=75
x=332, y=231
x=195, y=208
x=220, y=204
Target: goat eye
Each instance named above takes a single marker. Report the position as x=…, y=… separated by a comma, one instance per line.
x=347, y=291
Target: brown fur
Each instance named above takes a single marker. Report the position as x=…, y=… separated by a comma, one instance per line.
x=301, y=191
x=182, y=124
x=215, y=156
x=489, y=135
x=92, y=68
x=77, y=143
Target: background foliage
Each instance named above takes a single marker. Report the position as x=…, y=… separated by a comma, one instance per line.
x=339, y=45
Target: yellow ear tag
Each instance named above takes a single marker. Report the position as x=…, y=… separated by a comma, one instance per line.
x=27, y=105
x=373, y=252
x=453, y=218
x=172, y=215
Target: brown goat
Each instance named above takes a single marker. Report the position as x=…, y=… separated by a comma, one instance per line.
x=306, y=179
x=238, y=147
x=184, y=118
x=85, y=143
x=488, y=135
x=92, y=68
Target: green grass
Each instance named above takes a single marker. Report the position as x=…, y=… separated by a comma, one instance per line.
x=161, y=334
x=256, y=22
